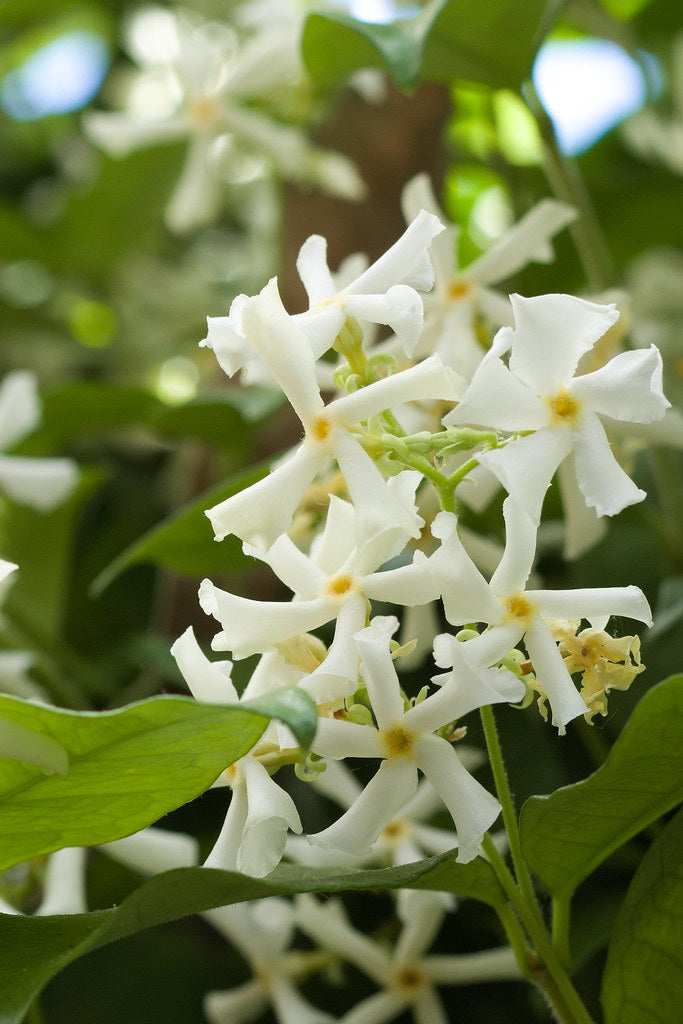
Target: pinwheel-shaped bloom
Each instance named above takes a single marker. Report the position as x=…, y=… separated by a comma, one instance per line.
x=538, y=392
x=383, y=293
x=334, y=582
x=460, y=295
x=40, y=483
x=407, y=976
x=263, y=932
x=196, y=83
x=516, y=613
x=253, y=835
x=262, y=512
x=405, y=741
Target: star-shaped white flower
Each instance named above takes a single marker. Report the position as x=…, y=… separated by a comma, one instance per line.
x=460, y=294
x=538, y=392
x=406, y=741
x=516, y=613
x=261, y=513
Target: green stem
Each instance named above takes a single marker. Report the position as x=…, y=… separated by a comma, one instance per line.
x=561, y=916
x=460, y=474
x=509, y=814
x=566, y=182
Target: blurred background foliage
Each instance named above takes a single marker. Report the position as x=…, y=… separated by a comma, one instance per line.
x=107, y=305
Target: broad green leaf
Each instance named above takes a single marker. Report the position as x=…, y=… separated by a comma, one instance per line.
x=642, y=979
x=493, y=43
x=126, y=768
x=36, y=948
x=184, y=542
x=567, y=834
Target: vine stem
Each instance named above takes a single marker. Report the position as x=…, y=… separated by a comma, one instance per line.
x=552, y=977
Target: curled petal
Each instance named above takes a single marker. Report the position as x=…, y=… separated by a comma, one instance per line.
x=270, y=813
x=405, y=262
x=595, y=604
x=520, y=547
x=629, y=387
x=377, y=669
x=603, y=483
x=208, y=681
x=311, y=265
x=551, y=672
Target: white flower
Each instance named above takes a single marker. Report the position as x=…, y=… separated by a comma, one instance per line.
x=262, y=512
x=459, y=295
x=515, y=613
x=197, y=82
x=334, y=582
x=405, y=741
x=255, y=828
x=40, y=483
x=539, y=393
x=407, y=976
x=262, y=931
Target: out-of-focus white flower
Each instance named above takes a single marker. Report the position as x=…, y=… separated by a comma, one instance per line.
x=197, y=83
x=460, y=295
x=405, y=741
x=515, y=613
x=40, y=483
x=659, y=138
x=255, y=828
x=539, y=393
x=407, y=976
x=261, y=513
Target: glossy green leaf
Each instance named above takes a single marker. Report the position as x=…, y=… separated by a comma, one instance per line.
x=493, y=43
x=567, y=834
x=642, y=979
x=37, y=948
x=184, y=542
x=126, y=768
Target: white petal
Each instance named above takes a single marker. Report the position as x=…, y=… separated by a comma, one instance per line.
x=404, y=262
x=563, y=697
x=409, y=585
x=595, y=604
x=64, y=887
x=207, y=681
x=377, y=669
x=552, y=332
x=197, y=195
x=154, y=850
x=472, y=808
x=19, y=407
x=338, y=783
x=40, y=483
x=224, y=852
x=524, y=242
x=285, y=350
x=260, y=513
x=496, y=398
x=602, y=481
x=6, y=569
x=311, y=265
x=236, y=1006
x=253, y=627
x=339, y=739
x=428, y=1008
x=629, y=387
x=400, y=308
x=430, y=379
x=119, y=134
x=466, y=689
x=294, y=568
x=337, y=675
x=418, y=934
x=292, y=1008
x=526, y=466
x=330, y=929
x=331, y=548
x=466, y=595
x=520, y=548
x=583, y=527
x=378, y=1009
x=473, y=968
x=270, y=812
x=19, y=743
x=382, y=799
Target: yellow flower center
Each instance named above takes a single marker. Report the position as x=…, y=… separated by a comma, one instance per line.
x=338, y=586
x=409, y=980
x=321, y=428
x=458, y=290
x=398, y=741
x=394, y=831
x=203, y=111
x=564, y=408
x=518, y=608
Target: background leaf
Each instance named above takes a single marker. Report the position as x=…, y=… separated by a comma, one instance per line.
x=120, y=764
x=38, y=947
x=642, y=979
x=566, y=835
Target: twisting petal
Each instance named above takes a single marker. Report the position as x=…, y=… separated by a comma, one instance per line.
x=563, y=697
x=595, y=604
x=270, y=812
x=224, y=852
x=552, y=332
x=399, y=308
x=377, y=669
x=207, y=681
x=629, y=387
x=515, y=566
x=311, y=265
x=466, y=595
x=293, y=567
x=337, y=675
x=603, y=483
x=472, y=808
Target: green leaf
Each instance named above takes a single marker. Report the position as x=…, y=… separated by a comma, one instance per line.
x=35, y=949
x=184, y=542
x=566, y=835
x=126, y=768
x=642, y=979
x=494, y=43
